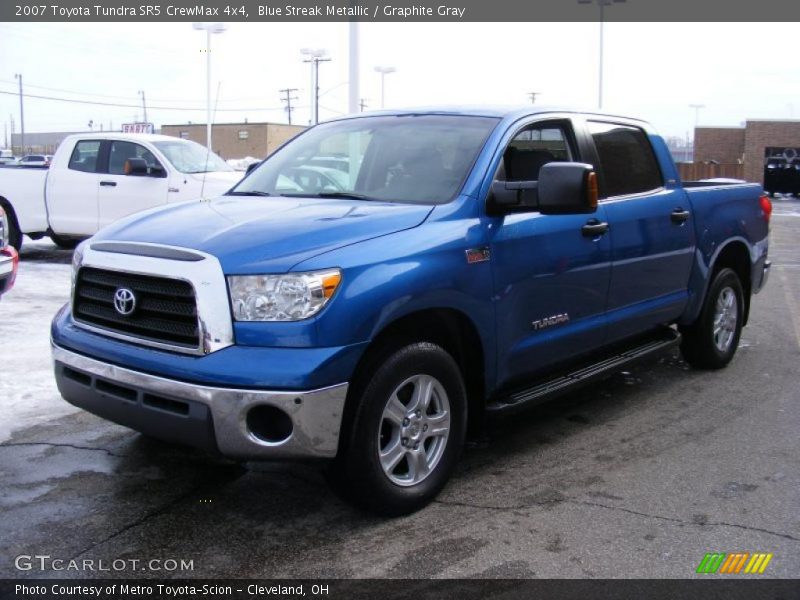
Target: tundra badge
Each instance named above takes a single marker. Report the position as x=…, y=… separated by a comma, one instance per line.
x=550, y=321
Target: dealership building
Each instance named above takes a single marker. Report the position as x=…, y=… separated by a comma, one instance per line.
x=237, y=140
x=748, y=146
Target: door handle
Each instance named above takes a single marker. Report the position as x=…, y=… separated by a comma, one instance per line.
x=109, y=183
x=594, y=228
x=680, y=215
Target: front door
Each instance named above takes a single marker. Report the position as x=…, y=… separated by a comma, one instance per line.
x=551, y=273
x=121, y=194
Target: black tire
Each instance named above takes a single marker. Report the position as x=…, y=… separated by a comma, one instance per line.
x=14, y=233
x=65, y=243
x=357, y=473
x=700, y=346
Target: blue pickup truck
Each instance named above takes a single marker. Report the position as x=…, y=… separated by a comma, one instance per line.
x=451, y=263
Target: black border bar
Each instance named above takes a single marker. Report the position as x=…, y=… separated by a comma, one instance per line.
x=713, y=588
x=401, y=10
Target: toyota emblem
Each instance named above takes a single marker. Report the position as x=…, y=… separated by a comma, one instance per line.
x=124, y=301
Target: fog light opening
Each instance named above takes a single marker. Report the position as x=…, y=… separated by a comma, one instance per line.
x=269, y=424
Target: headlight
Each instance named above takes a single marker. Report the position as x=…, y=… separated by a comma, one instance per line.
x=3, y=229
x=289, y=297
x=77, y=260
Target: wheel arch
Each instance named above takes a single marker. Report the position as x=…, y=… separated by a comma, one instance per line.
x=449, y=328
x=735, y=256
x=12, y=219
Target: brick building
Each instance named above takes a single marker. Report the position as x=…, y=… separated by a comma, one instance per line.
x=237, y=140
x=748, y=145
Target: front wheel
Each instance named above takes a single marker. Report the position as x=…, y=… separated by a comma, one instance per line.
x=408, y=432
x=711, y=341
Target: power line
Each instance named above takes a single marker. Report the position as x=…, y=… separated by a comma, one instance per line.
x=288, y=99
x=120, y=105
x=114, y=97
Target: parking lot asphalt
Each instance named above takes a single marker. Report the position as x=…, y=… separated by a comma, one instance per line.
x=638, y=476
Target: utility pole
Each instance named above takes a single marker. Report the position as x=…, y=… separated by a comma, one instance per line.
x=144, y=106
x=288, y=99
x=21, y=114
x=533, y=95
x=362, y=104
x=315, y=56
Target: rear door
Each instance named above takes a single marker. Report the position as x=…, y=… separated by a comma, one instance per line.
x=121, y=194
x=72, y=191
x=550, y=276
x=651, y=231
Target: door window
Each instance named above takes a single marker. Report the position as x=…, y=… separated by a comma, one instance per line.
x=122, y=151
x=627, y=162
x=84, y=156
x=531, y=149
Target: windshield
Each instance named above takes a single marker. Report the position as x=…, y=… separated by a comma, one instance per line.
x=190, y=157
x=411, y=158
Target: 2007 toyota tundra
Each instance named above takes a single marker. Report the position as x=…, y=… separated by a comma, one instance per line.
x=451, y=262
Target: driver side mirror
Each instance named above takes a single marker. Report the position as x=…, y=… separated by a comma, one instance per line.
x=567, y=188
x=136, y=166
x=251, y=167
x=562, y=188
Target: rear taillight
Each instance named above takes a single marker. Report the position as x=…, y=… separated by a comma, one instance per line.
x=766, y=207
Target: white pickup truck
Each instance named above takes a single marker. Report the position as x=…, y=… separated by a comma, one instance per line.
x=95, y=179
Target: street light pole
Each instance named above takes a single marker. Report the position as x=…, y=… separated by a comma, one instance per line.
x=21, y=114
x=696, y=108
x=209, y=29
x=602, y=4
x=144, y=105
x=384, y=71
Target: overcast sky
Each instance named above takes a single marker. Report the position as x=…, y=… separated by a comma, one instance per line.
x=654, y=71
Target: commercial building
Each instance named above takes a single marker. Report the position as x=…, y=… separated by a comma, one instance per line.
x=748, y=146
x=237, y=140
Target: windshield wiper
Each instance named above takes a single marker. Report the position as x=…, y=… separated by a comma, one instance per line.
x=250, y=193
x=345, y=195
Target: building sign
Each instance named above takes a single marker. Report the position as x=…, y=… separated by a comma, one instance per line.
x=137, y=128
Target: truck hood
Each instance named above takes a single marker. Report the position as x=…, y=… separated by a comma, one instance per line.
x=215, y=183
x=251, y=234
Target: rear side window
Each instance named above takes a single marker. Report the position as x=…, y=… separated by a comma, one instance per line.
x=626, y=159
x=84, y=156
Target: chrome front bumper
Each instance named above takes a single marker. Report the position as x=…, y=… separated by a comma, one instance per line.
x=185, y=412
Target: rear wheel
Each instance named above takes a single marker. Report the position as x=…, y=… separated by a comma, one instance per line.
x=711, y=341
x=14, y=233
x=66, y=243
x=408, y=432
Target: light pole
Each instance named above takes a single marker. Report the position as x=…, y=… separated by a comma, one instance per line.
x=696, y=108
x=602, y=4
x=315, y=56
x=21, y=114
x=209, y=28
x=384, y=71
x=533, y=95
x=144, y=105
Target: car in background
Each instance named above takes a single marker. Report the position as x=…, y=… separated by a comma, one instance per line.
x=9, y=259
x=97, y=178
x=35, y=160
